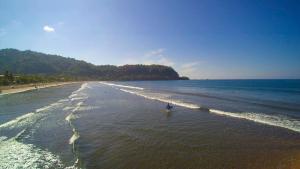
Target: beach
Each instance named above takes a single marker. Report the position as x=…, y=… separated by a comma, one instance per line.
x=125, y=125
x=27, y=87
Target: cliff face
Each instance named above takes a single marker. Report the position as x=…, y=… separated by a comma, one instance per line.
x=35, y=63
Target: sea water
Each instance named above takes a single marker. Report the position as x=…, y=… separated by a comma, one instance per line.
x=214, y=124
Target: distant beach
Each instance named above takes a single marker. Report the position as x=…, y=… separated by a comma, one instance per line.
x=27, y=87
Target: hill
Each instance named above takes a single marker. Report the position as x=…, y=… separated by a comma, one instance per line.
x=35, y=63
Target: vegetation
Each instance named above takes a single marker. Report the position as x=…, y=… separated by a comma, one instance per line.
x=31, y=67
x=10, y=79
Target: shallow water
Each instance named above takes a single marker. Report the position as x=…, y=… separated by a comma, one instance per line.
x=124, y=125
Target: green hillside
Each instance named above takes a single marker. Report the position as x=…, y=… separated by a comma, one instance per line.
x=35, y=63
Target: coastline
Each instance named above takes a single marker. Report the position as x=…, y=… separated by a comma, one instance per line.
x=4, y=90
x=88, y=116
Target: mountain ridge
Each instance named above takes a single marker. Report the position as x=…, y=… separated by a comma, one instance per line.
x=29, y=62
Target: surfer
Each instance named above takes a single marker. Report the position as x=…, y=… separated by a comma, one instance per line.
x=169, y=107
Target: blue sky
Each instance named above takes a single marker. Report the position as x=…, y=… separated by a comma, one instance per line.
x=214, y=39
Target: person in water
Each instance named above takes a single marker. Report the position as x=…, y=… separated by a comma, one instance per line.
x=169, y=107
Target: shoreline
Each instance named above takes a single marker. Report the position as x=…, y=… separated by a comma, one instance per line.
x=4, y=90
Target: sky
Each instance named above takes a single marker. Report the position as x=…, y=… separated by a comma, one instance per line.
x=202, y=39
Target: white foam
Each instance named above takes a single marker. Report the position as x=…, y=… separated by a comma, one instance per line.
x=78, y=95
x=48, y=107
x=87, y=108
x=21, y=119
x=73, y=95
x=165, y=100
x=70, y=117
x=76, y=92
x=122, y=86
x=63, y=100
x=14, y=154
x=68, y=108
x=279, y=121
x=83, y=86
x=79, y=103
x=79, y=98
x=74, y=137
x=77, y=107
x=74, y=166
x=29, y=118
x=3, y=138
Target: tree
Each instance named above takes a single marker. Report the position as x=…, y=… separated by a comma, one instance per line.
x=10, y=77
x=6, y=74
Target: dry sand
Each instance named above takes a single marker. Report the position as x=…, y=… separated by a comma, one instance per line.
x=22, y=88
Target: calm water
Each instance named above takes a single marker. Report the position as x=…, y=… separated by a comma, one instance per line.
x=228, y=124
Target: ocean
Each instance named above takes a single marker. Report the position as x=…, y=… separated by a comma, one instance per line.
x=228, y=124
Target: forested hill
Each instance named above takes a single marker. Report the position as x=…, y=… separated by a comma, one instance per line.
x=35, y=63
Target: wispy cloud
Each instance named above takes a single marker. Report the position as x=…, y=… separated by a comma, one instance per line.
x=189, y=69
x=48, y=29
x=157, y=52
x=157, y=57
x=160, y=61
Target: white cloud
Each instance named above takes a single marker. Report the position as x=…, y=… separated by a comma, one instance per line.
x=160, y=61
x=157, y=52
x=48, y=28
x=157, y=57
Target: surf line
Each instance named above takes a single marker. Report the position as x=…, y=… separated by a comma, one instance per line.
x=72, y=116
x=277, y=121
x=27, y=118
x=174, y=102
x=122, y=86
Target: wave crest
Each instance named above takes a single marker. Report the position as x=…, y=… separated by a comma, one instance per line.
x=278, y=121
x=273, y=120
x=122, y=86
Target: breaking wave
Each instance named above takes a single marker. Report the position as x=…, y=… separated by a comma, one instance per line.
x=76, y=95
x=78, y=98
x=163, y=99
x=83, y=86
x=74, y=137
x=122, y=86
x=29, y=118
x=14, y=154
x=23, y=118
x=70, y=117
x=278, y=121
x=273, y=120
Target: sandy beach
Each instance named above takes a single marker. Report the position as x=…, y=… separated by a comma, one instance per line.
x=27, y=87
